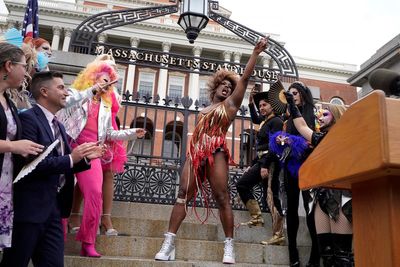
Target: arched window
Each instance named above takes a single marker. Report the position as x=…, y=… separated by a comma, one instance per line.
x=172, y=148
x=336, y=101
x=141, y=146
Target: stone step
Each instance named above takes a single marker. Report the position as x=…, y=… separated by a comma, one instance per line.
x=186, y=250
x=143, y=219
x=163, y=212
x=188, y=230
x=108, y=261
x=147, y=247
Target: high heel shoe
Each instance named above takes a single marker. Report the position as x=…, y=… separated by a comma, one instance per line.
x=108, y=231
x=88, y=250
x=73, y=229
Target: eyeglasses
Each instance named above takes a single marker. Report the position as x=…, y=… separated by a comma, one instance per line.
x=21, y=63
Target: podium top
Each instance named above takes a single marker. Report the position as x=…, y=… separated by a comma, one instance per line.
x=364, y=144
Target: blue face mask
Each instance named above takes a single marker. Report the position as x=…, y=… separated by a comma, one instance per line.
x=42, y=61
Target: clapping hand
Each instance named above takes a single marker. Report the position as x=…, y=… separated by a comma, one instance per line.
x=96, y=151
x=90, y=150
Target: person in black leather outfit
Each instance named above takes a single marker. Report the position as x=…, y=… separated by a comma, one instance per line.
x=264, y=168
x=332, y=207
x=303, y=100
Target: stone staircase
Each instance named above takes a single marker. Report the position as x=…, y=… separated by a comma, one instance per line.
x=198, y=245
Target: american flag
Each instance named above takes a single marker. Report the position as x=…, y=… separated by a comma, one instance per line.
x=30, y=27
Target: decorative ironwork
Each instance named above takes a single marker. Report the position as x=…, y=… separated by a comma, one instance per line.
x=153, y=178
x=143, y=183
x=85, y=34
x=152, y=184
x=276, y=51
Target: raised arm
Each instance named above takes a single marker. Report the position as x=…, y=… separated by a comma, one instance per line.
x=255, y=117
x=298, y=119
x=233, y=102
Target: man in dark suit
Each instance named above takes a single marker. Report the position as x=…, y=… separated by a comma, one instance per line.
x=44, y=196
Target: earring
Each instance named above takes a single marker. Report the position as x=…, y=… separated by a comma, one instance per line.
x=5, y=77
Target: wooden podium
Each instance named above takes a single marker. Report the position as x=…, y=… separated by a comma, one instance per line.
x=362, y=153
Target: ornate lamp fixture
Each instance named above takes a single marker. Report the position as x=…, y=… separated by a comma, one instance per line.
x=246, y=137
x=193, y=17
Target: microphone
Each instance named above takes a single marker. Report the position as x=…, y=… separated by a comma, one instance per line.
x=386, y=80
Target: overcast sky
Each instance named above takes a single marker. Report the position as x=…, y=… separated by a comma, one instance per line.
x=347, y=31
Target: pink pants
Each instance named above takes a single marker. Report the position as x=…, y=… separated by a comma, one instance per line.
x=90, y=183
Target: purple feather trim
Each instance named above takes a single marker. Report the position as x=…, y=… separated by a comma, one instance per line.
x=298, y=147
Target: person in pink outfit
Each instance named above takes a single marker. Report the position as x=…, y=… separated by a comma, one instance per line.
x=111, y=164
x=93, y=95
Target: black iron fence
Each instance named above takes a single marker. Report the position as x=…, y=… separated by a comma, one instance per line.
x=153, y=169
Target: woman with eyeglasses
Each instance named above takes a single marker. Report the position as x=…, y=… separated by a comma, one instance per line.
x=21, y=96
x=303, y=99
x=332, y=207
x=12, y=73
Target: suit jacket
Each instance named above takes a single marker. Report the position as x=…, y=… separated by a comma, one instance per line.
x=3, y=125
x=36, y=194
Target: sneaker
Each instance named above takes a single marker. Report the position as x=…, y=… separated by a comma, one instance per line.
x=167, y=251
x=229, y=252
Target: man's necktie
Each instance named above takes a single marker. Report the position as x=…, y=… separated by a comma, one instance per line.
x=57, y=135
x=60, y=148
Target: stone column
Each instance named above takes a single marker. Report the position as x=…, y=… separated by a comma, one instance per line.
x=266, y=61
x=55, y=43
x=67, y=39
x=130, y=79
x=163, y=75
x=227, y=55
x=194, y=90
x=236, y=57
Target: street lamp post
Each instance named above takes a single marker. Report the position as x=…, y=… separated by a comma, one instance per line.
x=244, y=141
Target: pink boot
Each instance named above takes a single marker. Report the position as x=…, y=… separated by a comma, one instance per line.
x=88, y=250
